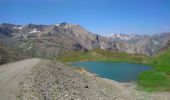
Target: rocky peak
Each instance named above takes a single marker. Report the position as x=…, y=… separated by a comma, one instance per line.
x=63, y=24
x=8, y=25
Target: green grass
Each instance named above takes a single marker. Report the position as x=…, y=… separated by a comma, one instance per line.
x=103, y=55
x=157, y=79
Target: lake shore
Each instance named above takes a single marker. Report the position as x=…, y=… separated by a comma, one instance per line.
x=54, y=80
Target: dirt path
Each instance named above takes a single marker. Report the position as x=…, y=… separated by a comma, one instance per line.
x=11, y=74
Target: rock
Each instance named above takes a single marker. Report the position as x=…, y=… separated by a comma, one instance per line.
x=86, y=86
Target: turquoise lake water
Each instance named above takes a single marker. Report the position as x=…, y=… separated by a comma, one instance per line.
x=122, y=72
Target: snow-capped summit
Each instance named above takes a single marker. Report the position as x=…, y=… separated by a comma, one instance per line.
x=121, y=36
x=34, y=31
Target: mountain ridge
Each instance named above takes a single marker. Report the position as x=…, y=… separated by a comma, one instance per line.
x=52, y=40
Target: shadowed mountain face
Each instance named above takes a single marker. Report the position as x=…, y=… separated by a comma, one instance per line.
x=8, y=54
x=52, y=40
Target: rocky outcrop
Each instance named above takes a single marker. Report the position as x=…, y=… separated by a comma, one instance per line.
x=166, y=46
x=168, y=43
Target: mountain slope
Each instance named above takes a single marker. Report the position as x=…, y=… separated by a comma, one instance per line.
x=53, y=40
x=8, y=54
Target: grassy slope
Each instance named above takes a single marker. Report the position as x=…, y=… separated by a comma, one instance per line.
x=102, y=55
x=155, y=80
x=158, y=79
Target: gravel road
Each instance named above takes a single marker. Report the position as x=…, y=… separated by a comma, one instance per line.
x=11, y=74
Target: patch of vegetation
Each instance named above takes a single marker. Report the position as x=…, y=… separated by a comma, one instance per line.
x=102, y=55
x=159, y=79
x=154, y=81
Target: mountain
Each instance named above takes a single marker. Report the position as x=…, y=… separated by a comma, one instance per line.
x=141, y=44
x=53, y=40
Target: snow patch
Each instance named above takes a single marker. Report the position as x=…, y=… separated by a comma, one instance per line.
x=18, y=27
x=57, y=25
x=23, y=44
x=121, y=36
x=35, y=31
x=30, y=47
x=155, y=42
x=153, y=50
x=25, y=36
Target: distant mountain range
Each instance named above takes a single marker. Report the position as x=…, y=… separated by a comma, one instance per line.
x=143, y=44
x=122, y=36
x=53, y=40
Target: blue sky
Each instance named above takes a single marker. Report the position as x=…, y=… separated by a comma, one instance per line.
x=98, y=16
